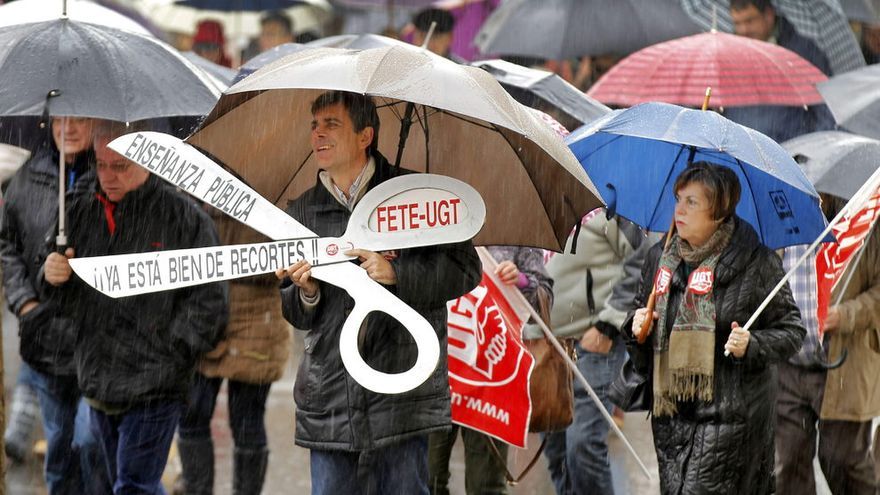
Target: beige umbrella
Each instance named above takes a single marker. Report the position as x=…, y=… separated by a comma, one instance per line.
x=464, y=125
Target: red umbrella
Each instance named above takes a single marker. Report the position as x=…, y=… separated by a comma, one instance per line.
x=741, y=71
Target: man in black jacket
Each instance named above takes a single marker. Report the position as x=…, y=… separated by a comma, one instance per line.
x=135, y=356
x=47, y=333
x=361, y=441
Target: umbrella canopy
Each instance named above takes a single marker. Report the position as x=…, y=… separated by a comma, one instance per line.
x=29, y=11
x=862, y=10
x=741, y=71
x=11, y=159
x=634, y=156
x=171, y=16
x=822, y=21
x=560, y=29
x=356, y=41
x=98, y=72
x=465, y=126
x=222, y=75
x=836, y=162
x=854, y=100
x=266, y=58
x=352, y=41
x=542, y=90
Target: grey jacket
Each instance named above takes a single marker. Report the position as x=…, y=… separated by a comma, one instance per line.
x=333, y=411
x=583, y=282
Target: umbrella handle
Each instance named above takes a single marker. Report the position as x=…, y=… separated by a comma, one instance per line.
x=645, y=329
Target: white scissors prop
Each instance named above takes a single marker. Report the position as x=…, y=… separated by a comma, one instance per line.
x=390, y=216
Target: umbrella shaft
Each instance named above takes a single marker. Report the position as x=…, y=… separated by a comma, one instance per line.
x=61, y=239
x=405, y=124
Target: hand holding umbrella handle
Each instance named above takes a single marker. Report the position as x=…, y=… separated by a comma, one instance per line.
x=645, y=329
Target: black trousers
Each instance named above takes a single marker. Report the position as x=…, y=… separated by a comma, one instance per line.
x=844, y=447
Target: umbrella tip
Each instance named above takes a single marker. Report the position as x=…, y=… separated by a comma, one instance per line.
x=64, y=9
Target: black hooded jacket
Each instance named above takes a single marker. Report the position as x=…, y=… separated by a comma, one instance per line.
x=726, y=446
x=30, y=217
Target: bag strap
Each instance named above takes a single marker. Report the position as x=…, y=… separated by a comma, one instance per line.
x=511, y=479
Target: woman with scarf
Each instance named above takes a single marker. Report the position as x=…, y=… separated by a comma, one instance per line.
x=713, y=414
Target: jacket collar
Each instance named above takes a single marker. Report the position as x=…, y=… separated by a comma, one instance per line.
x=325, y=200
x=45, y=161
x=152, y=184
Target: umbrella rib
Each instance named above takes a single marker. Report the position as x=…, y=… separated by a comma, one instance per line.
x=532, y=182
x=752, y=194
x=491, y=126
x=292, y=176
x=424, y=125
x=663, y=188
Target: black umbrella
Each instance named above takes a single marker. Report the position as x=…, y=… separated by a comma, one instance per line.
x=545, y=91
x=862, y=10
x=837, y=163
x=560, y=29
x=854, y=100
x=68, y=68
x=223, y=75
x=97, y=71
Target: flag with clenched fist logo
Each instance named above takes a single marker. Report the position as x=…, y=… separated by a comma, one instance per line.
x=489, y=367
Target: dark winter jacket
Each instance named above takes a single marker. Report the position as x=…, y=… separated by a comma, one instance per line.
x=726, y=446
x=788, y=37
x=136, y=349
x=333, y=411
x=30, y=216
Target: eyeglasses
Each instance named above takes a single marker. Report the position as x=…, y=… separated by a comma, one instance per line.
x=116, y=167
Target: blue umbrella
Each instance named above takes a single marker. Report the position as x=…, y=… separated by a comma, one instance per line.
x=633, y=157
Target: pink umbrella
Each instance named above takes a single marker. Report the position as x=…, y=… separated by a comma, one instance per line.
x=741, y=71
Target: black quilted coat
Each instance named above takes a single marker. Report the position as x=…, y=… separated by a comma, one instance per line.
x=726, y=446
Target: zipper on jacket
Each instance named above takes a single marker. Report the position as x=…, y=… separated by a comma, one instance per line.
x=591, y=302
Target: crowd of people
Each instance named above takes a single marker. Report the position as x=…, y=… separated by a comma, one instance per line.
x=116, y=381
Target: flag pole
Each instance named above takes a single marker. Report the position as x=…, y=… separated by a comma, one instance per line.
x=521, y=299
x=841, y=288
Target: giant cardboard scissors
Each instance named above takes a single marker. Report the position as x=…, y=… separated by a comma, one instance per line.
x=384, y=219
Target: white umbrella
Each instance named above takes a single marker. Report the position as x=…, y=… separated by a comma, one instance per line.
x=463, y=125
x=172, y=17
x=28, y=11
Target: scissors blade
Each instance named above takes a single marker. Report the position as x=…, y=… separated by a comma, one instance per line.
x=190, y=170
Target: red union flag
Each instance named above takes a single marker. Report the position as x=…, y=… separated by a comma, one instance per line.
x=851, y=231
x=489, y=368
